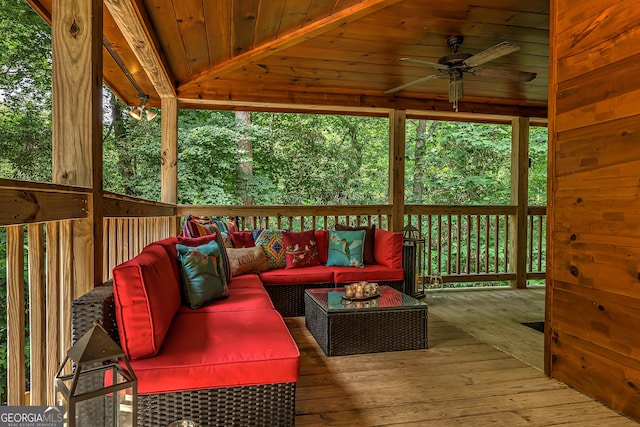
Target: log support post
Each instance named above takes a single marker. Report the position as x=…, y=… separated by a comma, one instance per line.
x=397, y=124
x=169, y=159
x=519, y=198
x=77, y=125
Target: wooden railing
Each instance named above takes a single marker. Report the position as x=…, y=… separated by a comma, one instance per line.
x=466, y=243
x=294, y=218
x=463, y=243
x=38, y=222
x=131, y=224
x=471, y=243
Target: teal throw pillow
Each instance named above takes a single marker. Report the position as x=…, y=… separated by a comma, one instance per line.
x=345, y=248
x=202, y=272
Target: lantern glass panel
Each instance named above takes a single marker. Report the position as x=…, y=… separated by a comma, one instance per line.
x=94, y=402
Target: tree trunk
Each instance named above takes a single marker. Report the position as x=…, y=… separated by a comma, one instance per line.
x=421, y=137
x=125, y=156
x=243, y=118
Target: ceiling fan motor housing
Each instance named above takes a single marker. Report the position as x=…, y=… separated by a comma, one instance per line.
x=454, y=60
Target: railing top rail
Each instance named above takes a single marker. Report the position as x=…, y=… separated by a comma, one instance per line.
x=285, y=211
x=16, y=184
x=460, y=210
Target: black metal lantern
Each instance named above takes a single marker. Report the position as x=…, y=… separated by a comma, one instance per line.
x=101, y=389
x=412, y=260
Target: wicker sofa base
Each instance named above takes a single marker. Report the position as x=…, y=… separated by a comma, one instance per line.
x=288, y=299
x=261, y=405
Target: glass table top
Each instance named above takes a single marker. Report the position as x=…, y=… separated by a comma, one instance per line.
x=330, y=299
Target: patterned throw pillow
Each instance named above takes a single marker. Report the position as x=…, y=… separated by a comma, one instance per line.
x=198, y=226
x=369, y=239
x=273, y=245
x=301, y=249
x=201, y=269
x=345, y=248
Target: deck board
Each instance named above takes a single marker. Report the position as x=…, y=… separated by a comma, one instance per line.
x=460, y=379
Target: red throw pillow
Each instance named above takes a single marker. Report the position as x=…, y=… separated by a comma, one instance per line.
x=368, y=256
x=301, y=249
x=242, y=239
x=388, y=249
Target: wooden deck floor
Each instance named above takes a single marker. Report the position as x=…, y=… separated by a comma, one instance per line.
x=459, y=380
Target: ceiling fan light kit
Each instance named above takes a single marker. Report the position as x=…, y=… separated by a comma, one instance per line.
x=455, y=64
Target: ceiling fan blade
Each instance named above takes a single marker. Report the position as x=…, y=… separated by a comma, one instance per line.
x=415, y=82
x=513, y=75
x=492, y=53
x=425, y=63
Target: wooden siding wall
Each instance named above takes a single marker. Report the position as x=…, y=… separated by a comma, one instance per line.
x=593, y=298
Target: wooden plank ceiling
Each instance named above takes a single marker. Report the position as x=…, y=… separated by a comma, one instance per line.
x=276, y=54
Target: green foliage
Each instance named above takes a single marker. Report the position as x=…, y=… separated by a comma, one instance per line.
x=25, y=93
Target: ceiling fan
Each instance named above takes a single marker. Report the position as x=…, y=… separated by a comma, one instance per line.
x=455, y=64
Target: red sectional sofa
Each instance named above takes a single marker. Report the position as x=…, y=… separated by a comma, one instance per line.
x=232, y=362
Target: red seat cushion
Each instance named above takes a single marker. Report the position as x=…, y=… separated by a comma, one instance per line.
x=315, y=274
x=239, y=299
x=245, y=281
x=147, y=296
x=370, y=273
x=388, y=248
x=223, y=349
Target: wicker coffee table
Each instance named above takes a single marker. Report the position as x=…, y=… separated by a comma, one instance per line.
x=392, y=322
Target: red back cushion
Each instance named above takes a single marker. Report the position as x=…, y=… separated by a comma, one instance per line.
x=169, y=245
x=322, y=239
x=147, y=296
x=242, y=239
x=388, y=248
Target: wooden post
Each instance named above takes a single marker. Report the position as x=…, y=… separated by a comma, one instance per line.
x=76, y=29
x=169, y=192
x=397, y=123
x=519, y=198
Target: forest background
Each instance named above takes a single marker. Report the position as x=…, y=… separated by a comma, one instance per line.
x=249, y=158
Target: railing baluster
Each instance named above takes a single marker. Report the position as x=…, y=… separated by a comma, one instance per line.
x=496, y=247
x=449, y=244
x=429, y=242
x=66, y=283
x=37, y=326
x=468, y=243
x=530, y=243
x=477, y=252
x=487, y=238
x=15, y=316
x=458, y=242
x=506, y=245
x=540, y=228
x=439, y=244
x=53, y=307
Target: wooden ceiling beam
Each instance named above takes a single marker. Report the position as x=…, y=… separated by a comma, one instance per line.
x=135, y=27
x=364, y=8
x=372, y=105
